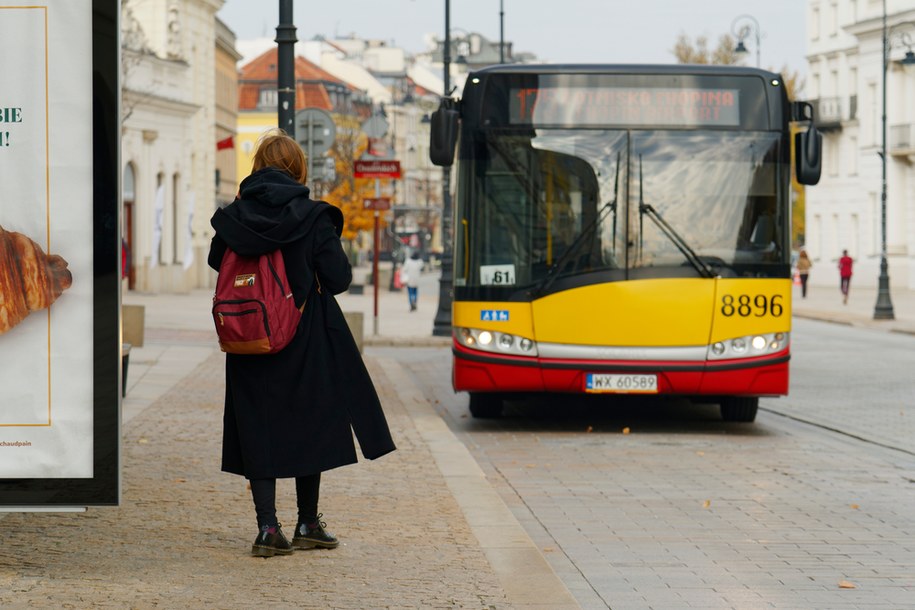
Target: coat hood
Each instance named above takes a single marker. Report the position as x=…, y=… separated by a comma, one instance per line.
x=271, y=211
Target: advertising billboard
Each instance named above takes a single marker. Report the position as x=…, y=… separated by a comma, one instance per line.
x=59, y=290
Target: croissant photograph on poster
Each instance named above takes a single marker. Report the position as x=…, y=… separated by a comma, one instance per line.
x=46, y=249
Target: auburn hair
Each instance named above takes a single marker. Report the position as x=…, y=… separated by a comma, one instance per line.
x=276, y=149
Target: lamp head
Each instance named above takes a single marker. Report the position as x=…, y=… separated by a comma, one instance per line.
x=909, y=58
x=741, y=48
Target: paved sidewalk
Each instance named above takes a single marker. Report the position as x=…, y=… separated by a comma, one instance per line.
x=825, y=303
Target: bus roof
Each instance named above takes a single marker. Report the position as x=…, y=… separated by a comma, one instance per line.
x=698, y=69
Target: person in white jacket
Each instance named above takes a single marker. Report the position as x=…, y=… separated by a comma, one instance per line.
x=409, y=275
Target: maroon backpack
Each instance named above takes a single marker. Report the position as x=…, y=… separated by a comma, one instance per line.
x=253, y=307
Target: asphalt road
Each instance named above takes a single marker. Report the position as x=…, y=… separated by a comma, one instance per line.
x=648, y=503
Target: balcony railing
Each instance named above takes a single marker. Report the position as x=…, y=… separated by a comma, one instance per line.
x=829, y=112
x=901, y=140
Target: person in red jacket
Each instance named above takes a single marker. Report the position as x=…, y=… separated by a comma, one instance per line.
x=845, y=264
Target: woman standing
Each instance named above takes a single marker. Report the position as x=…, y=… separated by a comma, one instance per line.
x=803, y=270
x=292, y=414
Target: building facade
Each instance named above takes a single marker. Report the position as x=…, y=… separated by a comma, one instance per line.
x=226, y=114
x=846, y=81
x=169, y=131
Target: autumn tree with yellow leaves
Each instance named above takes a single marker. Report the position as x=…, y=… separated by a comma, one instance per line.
x=348, y=192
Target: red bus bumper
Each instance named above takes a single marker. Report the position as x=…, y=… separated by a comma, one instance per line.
x=475, y=371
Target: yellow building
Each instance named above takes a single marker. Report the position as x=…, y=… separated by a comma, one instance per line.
x=250, y=126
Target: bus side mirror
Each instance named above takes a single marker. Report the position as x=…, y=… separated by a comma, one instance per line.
x=443, y=131
x=808, y=147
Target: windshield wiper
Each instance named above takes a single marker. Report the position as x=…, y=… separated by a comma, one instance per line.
x=672, y=235
x=575, y=246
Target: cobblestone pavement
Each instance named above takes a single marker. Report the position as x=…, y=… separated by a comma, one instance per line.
x=182, y=535
x=427, y=527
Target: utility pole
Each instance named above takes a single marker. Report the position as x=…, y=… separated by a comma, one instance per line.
x=285, y=84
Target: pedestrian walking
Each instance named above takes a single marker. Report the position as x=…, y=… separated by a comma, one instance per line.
x=803, y=270
x=292, y=414
x=845, y=265
x=409, y=275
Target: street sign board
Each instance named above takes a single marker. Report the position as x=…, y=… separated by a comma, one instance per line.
x=381, y=204
x=376, y=169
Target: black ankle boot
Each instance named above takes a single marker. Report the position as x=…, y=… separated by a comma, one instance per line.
x=313, y=535
x=270, y=541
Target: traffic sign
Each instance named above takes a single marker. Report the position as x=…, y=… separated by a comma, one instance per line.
x=315, y=131
x=376, y=169
x=381, y=204
x=375, y=127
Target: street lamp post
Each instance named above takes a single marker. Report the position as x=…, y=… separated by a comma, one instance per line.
x=442, y=325
x=883, y=309
x=285, y=42
x=749, y=22
x=501, y=32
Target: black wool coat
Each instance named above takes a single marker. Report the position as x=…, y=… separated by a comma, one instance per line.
x=294, y=413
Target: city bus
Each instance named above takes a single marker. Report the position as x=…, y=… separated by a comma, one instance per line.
x=623, y=230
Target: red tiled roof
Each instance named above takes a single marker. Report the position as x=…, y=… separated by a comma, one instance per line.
x=310, y=90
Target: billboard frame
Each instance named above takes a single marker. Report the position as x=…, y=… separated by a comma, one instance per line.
x=103, y=488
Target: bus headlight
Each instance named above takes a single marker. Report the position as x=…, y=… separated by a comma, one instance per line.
x=495, y=341
x=749, y=346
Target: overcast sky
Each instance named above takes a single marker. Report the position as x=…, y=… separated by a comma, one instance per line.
x=588, y=31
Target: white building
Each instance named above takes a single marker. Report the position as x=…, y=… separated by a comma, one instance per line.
x=168, y=140
x=845, y=82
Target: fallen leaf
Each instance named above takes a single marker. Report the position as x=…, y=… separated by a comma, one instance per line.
x=626, y=430
x=706, y=504
x=548, y=549
x=530, y=465
x=590, y=429
x=844, y=584
x=855, y=506
x=700, y=453
x=180, y=480
x=143, y=441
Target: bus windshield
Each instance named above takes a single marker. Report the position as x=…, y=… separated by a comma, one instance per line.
x=539, y=206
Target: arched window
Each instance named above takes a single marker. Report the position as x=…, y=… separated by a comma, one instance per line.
x=128, y=199
x=159, y=217
x=177, y=234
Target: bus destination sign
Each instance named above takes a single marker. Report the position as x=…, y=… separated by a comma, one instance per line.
x=627, y=106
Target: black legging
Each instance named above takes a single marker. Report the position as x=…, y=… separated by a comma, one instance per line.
x=307, y=490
